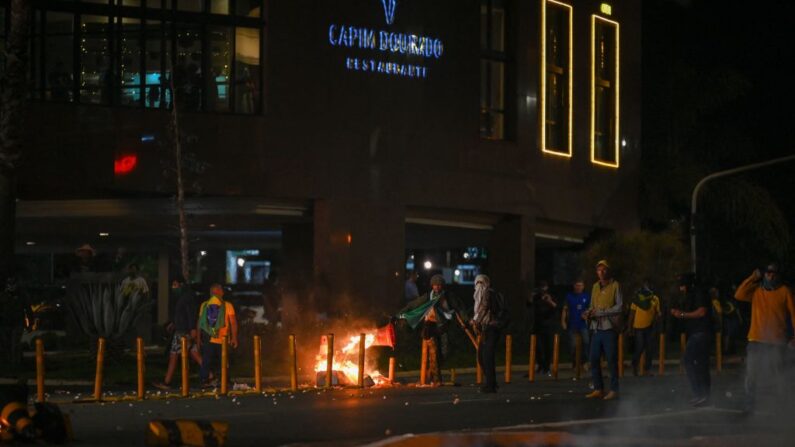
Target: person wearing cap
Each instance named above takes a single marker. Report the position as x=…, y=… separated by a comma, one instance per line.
x=603, y=318
x=434, y=311
x=85, y=258
x=697, y=317
x=489, y=318
x=216, y=321
x=772, y=306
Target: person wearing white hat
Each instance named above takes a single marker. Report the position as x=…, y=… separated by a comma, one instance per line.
x=489, y=318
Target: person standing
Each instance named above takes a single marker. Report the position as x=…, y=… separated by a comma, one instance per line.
x=216, y=321
x=134, y=283
x=544, y=325
x=185, y=317
x=772, y=307
x=697, y=316
x=410, y=289
x=644, y=319
x=489, y=317
x=433, y=311
x=577, y=302
x=604, y=317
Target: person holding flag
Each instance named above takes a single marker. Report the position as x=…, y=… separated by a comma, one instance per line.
x=433, y=311
x=216, y=321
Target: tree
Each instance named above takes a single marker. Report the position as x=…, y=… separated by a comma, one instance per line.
x=13, y=99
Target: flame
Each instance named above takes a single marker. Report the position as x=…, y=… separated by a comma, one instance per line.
x=346, y=358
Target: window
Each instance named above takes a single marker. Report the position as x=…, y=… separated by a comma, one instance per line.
x=605, y=64
x=203, y=54
x=555, y=108
x=492, y=69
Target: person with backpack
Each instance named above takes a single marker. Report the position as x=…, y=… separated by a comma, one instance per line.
x=489, y=319
x=216, y=321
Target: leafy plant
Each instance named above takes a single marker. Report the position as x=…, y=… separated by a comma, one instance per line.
x=100, y=309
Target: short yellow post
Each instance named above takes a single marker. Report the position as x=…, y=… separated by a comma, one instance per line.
x=139, y=351
x=293, y=365
x=329, y=360
x=452, y=376
x=225, y=366
x=578, y=356
x=391, y=370
x=39, y=370
x=257, y=364
x=361, y=359
x=682, y=348
x=661, y=366
x=531, y=373
x=100, y=371
x=642, y=366
x=718, y=353
x=478, y=369
x=424, y=362
x=555, y=355
x=508, y=357
x=185, y=366
x=620, y=355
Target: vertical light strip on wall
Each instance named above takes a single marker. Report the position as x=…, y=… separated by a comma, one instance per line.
x=616, y=94
x=543, y=93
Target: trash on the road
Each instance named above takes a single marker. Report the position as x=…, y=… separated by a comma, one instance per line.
x=240, y=387
x=182, y=432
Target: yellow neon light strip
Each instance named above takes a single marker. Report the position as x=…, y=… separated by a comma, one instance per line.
x=543, y=93
x=617, y=95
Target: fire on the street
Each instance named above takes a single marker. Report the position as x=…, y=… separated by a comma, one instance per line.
x=345, y=366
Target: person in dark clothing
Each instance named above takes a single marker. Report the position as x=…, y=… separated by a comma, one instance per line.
x=488, y=319
x=184, y=325
x=545, y=324
x=697, y=318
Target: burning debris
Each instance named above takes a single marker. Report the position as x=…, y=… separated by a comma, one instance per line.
x=347, y=360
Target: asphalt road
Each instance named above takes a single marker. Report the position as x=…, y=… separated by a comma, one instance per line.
x=651, y=411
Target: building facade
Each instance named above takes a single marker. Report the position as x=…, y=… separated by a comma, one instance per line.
x=342, y=140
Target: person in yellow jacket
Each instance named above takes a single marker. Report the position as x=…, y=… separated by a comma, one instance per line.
x=772, y=304
x=603, y=318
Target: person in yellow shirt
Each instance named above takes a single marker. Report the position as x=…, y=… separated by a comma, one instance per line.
x=644, y=317
x=772, y=304
x=216, y=321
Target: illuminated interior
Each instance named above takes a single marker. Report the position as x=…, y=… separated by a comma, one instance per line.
x=605, y=92
x=552, y=73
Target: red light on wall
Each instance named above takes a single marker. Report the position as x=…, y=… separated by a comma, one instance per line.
x=125, y=164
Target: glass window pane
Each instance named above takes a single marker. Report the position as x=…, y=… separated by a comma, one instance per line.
x=96, y=79
x=248, y=8
x=497, y=85
x=158, y=90
x=219, y=6
x=248, y=70
x=218, y=95
x=130, y=60
x=59, y=64
x=190, y=5
x=188, y=69
x=484, y=24
x=498, y=26
x=133, y=2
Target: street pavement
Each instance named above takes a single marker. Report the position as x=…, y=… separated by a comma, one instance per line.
x=651, y=411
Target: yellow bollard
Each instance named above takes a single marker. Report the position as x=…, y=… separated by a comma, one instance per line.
x=508, y=357
x=100, y=366
x=620, y=355
x=555, y=355
x=391, y=370
x=718, y=353
x=185, y=366
x=478, y=369
x=531, y=373
x=293, y=365
x=452, y=376
x=139, y=356
x=329, y=360
x=642, y=366
x=578, y=356
x=361, y=360
x=257, y=364
x=682, y=348
x=661, y=370
x=39, y=370
x=424, y=362
x=225, y=366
